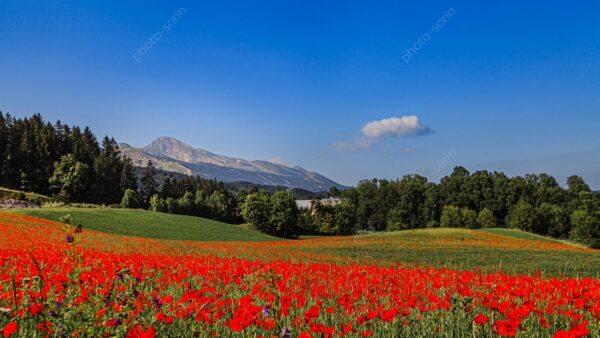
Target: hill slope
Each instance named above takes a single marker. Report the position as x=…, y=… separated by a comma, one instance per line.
x=150, y=224
x=170, y=154
x=511, y=251
x=17, y=194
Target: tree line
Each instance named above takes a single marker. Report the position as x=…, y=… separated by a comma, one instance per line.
x=270, y=211
x=483, y=199
x=534, y=203
x=185, y=195
x=65, y=161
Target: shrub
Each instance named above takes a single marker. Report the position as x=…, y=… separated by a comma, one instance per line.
x=586, y=228
x=157, y=204
x=33, y=198
x=53, y=204
x=345, y=219
x=451, y=217
x=20, y=196
x=486, y=219
x=185, y=204
x=558, y=222
x=171, y=205
x=284, y=214
x=131, y=199
x=468, y=218
x=396, y=220
x=256, y=211
x=433, y=224
x=66, y=219
x=522, y=216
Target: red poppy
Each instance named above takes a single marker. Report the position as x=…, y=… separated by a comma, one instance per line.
x=139, y=332
x=562, y=334
x=9, y=329
x=481, y=319
x=36, y=308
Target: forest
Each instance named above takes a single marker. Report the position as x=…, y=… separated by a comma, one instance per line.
x=61, y=160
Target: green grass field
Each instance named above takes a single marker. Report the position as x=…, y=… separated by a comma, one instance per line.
x=150, y=224
x=509, y=250
x=526, y=235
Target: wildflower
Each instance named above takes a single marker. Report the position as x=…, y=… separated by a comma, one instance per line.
x=157, y=302
x=579, y=330
x=138, y=332
x=161, y=317
x=237, y=324
x=562, y=334
x=481, y=319
x=312, y=313
x=113, y=322
x=266, y=310
x=9, y=329
x=35, y=309
x=46, y=327
x=389, y=315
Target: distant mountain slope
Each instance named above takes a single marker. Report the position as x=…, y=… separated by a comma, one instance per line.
x=173, y=155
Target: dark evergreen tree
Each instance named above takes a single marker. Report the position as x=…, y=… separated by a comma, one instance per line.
x=149, y=182
x=128, y=176
x=109, y=167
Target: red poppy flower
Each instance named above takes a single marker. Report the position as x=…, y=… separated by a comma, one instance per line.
x=36, y=308
x=138, y=332
x=481, y=319
x=9, y=329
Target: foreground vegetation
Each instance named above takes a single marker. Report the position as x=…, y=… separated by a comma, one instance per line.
x=60, y=281
x=489, y=250
x=150, y=224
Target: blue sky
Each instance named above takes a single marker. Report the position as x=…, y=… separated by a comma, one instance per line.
x=506, y=86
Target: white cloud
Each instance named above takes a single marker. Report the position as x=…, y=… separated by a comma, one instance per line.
x=408, y=125
x=375, y=131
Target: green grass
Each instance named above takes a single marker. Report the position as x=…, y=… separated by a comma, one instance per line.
x=513, y=251
x=151, y=224
x=522, y=234
x=6, y=194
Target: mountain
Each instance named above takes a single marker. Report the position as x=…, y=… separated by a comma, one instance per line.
x=170, y=154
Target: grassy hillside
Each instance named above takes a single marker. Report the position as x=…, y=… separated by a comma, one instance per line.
x=150, y=224
x=489, y=250
x=528, y=235
x=6, y=194
x=508, y=250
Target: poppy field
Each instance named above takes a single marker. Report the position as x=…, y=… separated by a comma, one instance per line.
x=66, y=281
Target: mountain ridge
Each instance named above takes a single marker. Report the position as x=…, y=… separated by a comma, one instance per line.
x=171, y=154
